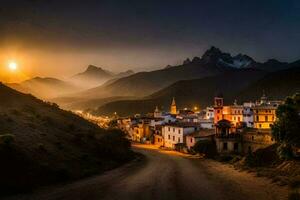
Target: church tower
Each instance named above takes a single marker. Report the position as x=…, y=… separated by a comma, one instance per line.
x=173, y=109
x=157, y=113
x=218, y=108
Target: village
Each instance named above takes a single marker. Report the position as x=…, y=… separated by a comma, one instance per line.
x=235, y=129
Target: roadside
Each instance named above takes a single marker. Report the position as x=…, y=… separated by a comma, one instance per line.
x=165, y=174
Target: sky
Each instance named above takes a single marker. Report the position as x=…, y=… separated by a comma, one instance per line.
x=60, y=38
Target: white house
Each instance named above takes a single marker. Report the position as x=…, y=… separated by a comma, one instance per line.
x=248, y=114
x=175, y=133
x=209, y=113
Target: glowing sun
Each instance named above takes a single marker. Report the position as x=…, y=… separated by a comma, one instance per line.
x=13, y=66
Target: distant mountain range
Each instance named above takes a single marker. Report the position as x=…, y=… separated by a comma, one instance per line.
x=212, y=63
x=193, y=82
x=246, y=84
x=49, y=88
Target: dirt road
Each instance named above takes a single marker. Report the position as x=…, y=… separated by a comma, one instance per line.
x=166, y=175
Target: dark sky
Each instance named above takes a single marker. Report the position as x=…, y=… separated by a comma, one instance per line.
x=62, y=37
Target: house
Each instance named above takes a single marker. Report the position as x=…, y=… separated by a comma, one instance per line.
x=141, y=131
x=248, y=114
x=158, y=139
x=264, y=116
x=206, y=123
x=175, y=133
x=209, y=113
x=236, y=112
x=254, y=139
x=202, y=134
x=228, y=139
x=232, y=113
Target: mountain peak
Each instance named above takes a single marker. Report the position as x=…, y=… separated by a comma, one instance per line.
x=186, y=61
x=93, y=68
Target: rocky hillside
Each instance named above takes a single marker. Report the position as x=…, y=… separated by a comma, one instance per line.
x=42, y=144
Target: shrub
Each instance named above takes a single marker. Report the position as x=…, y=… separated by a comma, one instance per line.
x=262, y=157
x=285, y=151
x=208, y=148
x=7, y=139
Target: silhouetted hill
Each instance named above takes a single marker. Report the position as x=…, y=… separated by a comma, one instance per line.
x=42, y=144
x=188, y=93
x=277, y=85
x=44, y=87
x=95, y=76
x=243, y=85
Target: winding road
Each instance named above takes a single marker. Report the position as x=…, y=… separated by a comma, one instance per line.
x=165, y=175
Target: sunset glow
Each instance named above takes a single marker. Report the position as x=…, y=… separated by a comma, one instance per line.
x=13, y=66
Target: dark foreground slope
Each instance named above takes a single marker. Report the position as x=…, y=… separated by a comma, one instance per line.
x=42, y=144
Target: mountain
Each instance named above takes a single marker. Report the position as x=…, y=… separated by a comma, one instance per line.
x=41, y=144
x=213, y=62
x=244, y=85
x=44, y=88
x=273, y=65
x=276, y=85
x=188, y=93
x=91, y=77
x=94, y=76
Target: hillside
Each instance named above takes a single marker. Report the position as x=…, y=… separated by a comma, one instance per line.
x=277, y=85
x=44, y=88
x=42, y=144
x=243, y=85
x=188, y=93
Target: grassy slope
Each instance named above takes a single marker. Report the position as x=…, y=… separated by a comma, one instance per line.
x=51, y=145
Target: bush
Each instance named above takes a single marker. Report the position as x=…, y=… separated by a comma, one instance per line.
x=285, y=151
x=206, y=147
x=262, y=157
x=7, y=139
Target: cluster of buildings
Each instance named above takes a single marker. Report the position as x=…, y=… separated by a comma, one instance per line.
x=234, y=128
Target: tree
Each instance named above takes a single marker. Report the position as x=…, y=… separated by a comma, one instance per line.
x=286, y=129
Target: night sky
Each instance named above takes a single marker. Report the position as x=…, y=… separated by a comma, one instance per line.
x=59, y=38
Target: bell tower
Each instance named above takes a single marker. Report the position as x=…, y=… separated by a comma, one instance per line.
x=218, y=108
x=173, y=109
